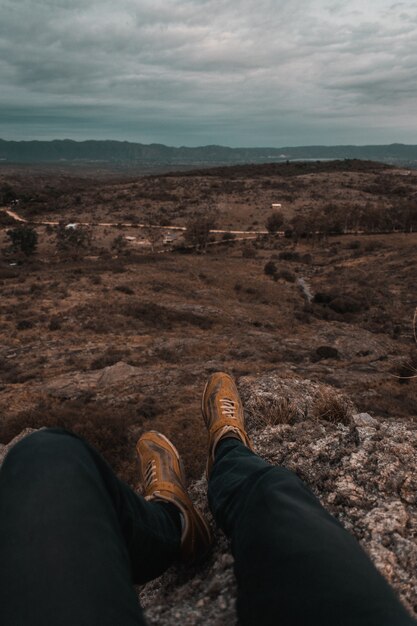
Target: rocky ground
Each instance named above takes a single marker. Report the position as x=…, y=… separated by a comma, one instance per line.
x=361, y=468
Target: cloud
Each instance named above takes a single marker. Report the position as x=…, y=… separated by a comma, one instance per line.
x=209, y=70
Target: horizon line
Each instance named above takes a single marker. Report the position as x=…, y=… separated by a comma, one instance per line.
x=212, y=145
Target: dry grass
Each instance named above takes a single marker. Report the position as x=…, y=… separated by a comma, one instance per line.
x=273, y=411
x=105, y=428
x=332, y=407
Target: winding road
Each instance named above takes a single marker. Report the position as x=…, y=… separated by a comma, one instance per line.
x=18, y=218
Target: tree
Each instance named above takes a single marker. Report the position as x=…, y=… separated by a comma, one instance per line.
x=119, y=244
x=270, y=269
x=274, y=222
x=73, y=238
x=7, y=194
x=198, y=232
x=23, y=238
x=154, y=235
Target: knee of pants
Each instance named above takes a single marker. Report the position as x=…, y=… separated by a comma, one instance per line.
x=41, y=455
x=274, y=481
x=276, y=492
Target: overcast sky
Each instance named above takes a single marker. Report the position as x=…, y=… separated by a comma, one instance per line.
x=197, y=72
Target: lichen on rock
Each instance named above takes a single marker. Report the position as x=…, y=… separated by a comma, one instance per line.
x=362, y=470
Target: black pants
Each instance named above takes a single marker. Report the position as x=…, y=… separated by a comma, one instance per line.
x=73, y=538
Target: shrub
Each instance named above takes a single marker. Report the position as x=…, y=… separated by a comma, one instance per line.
x=288, y=255
x=286, y=275
x=198, y=232
x=158, y=316
x=73, y=238
x=23, y=238
x=346, y=304
x=148, y=408
x=6, y=220
x=249, y=252
x=332, y=407
x=270, y=268
x=55, y=324
x=124, y=289
x=24, y=325
x=7, y=194
x=323, y=298
x=119, y=244
x=104, y=427
x=273, y=411
x=325, y=352
x=341, y=303
x=274, y=222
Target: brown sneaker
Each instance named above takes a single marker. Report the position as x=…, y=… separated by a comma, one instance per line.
x=223, y=413
x=164, y=479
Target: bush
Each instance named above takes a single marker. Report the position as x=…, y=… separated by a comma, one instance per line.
x=323, y=298
x=286, y=275
x=55, y=324
x=346, y=304
x=273, y=411
x=270, y=268
x=274, y=222
x=124, y=289
x=24, y=325
x=198, y=232
x=332, y=407
x=6, y=220
x=288, y=255
x=341, y=303
x=104, y=427
x=149, y=408
x=73, y=238
x=158, y=316
x=325, y=352
x=119, y=244
x=23, y=238
x=249, y=252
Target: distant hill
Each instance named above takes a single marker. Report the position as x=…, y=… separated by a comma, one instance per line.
x=132, y=154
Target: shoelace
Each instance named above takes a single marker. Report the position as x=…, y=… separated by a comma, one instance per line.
x=150, y=473
x=228, y=407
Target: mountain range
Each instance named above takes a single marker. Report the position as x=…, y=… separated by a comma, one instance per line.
x=127, y=153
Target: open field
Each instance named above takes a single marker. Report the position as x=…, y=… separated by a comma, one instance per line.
x=338, y=310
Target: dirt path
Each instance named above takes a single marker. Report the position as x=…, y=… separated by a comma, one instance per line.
x=12, y=214
x=17, y=217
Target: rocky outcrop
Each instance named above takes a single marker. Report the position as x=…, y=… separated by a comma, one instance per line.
x=76, y=384
x=362, y=469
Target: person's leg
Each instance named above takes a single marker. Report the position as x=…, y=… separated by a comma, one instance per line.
x=73, y=537
x=294, y=563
